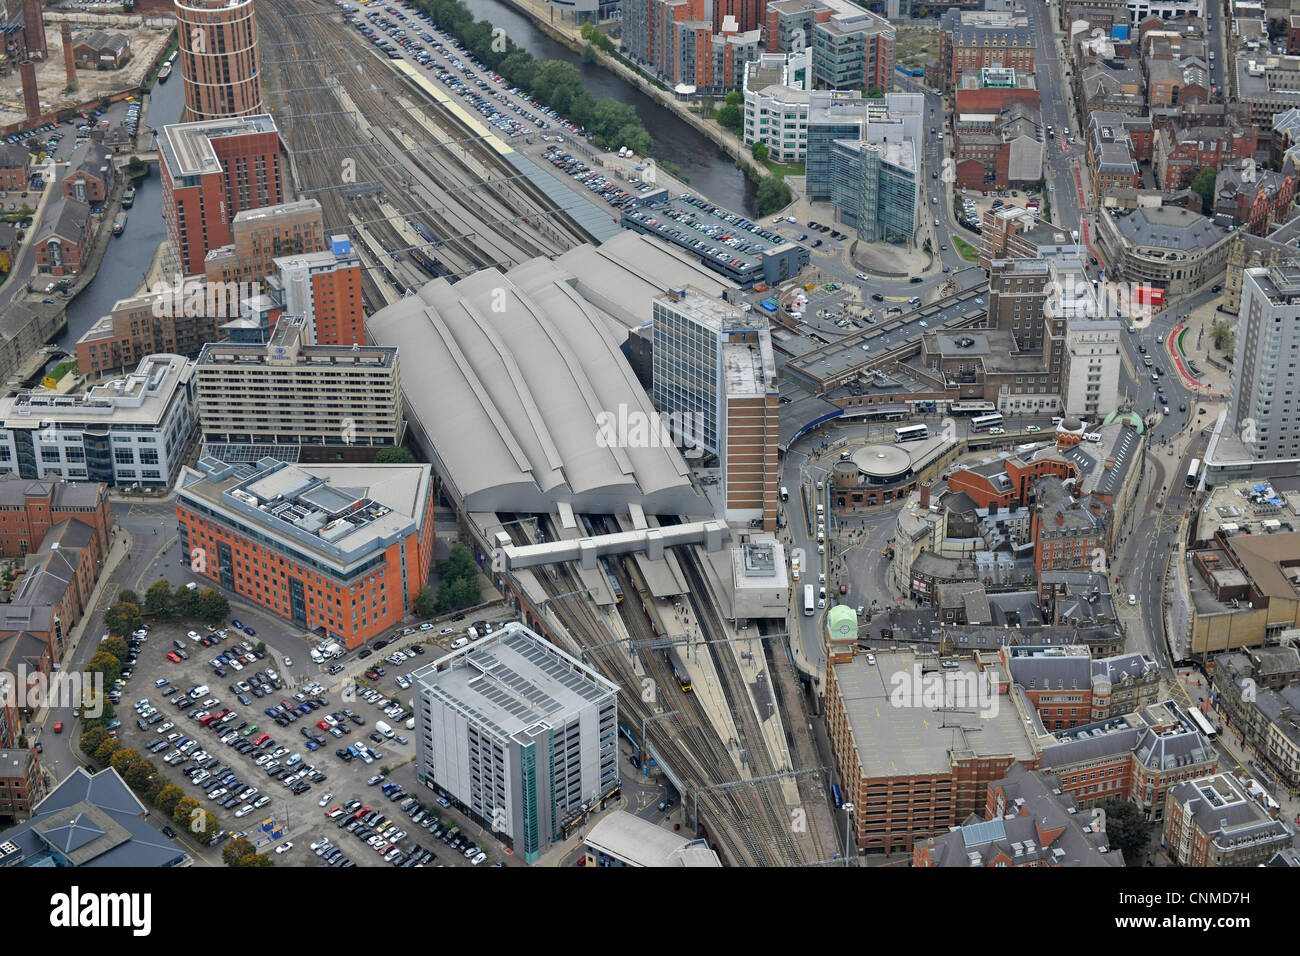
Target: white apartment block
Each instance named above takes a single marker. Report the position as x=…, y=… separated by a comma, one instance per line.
x=776, y=88
x=1092, y=368
x=129, y=430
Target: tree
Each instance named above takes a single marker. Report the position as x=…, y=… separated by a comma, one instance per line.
x=730, y=116
x=459, y=563
x=158, y=599
x=394, y=456
x=875, y=93
x=115, y=646
x=106, y=664
x=458, y=593
x=91, y=740
x=759, y=151
x=1127, y=829
x=157, y=784
x=734, y=98
x=127, y=596
x=589, y=55
x=261, y=647
x=1204, y=184
x=635, y=137
x=772, y=194
x=183, y=812
x=139, y=774
x=105, y=751
x=212, y=606
x=123, y=758
x=235, y=851
x=209, y=825
x=426, y=605
x=167, y=799
x=185, y=601
x=123, y=618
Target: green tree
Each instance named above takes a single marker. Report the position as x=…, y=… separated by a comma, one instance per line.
x=185, y=807
x=1127, y=829
x=209, y=827
x=123, y=618
x=772, y=194
x=458, y=593
x=257, y=859
x=635, y=137
x=759, y=151
x=127, y=596
x=589, y=55
x=115, y=646
x=394, y=456
x=426, y=605
x=105, y=751
x=185, y=601
x=158, y=599
x=734, y=98
x=875, y=93
x=123, y=758
x=91, y=740
x=261, y=647
x=106, y=664
x=212, y=606
x=138, y=775
x=730, y=116
x=1203, y=183
x=234, y=852
x=167, y=799
x=459, y=564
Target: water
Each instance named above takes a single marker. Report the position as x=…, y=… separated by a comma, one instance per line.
x=129, y=255
x=706, y=167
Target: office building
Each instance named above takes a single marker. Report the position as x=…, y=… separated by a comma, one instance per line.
x=1264, y=404
x=519, y=733
x=714, y=383
x=218, y=58
x=853, y=49
x=324, y=288
x=1091, y=369
x=1220, y=821
x=777, y=90
x=211, y=171
x=864, y=158
x=340, y=548
x=134, y=430
x=326, y=402
x=259, y=236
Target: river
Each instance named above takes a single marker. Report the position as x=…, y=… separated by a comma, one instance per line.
x=129, y=255
x=706, y=167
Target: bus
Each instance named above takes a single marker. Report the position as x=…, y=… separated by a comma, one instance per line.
x=809, y=603
x=1201, y=724
x=911, y=433
x=982, y=423
x=1192, y=472
x=839, y=797
x=972, y=408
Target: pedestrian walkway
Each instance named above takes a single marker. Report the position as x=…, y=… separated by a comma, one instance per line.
x=1198, y=344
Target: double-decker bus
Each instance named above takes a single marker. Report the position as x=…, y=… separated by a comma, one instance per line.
x=809, y=602
x=911, y=433
x=982, y=423
x=1192, y=471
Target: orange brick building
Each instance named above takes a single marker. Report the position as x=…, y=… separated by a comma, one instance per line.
x=325, y=287
x=212, y=171
x=340, y=549
x=29, y=509
x=1007, y=483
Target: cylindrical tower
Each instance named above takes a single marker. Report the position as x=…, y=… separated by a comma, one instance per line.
x=219, y=63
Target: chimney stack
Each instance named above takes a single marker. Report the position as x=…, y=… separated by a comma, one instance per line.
x=1060, y=519
x=31, y=101
x=69, y=63
x=34, y=28
x=925, y=496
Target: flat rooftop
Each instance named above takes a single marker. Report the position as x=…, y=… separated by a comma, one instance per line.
x=187, y=147
x=912, y=741
x=138, y=398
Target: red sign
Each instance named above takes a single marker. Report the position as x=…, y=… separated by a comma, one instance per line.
x=1149, y=295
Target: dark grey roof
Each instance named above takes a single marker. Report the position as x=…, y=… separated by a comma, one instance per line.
x=1123, y=667
x=66, y=494
x=1052, y=672
x=92, y=820
x=67, y=220
x=1078, y=749
x=1168, y=227
x=13, y=156
x=1173, y=749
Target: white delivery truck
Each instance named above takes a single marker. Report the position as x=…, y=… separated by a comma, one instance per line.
x=384, y=729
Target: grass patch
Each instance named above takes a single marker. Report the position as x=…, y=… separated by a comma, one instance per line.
x=781, y=170
x=915, y=46
x=63, y=368
x=968, y=252
x=1181, y=335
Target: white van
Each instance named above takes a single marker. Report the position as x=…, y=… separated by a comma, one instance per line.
x=198, y=692
x=1094, y=437
x=410, y=723
x=384, y=729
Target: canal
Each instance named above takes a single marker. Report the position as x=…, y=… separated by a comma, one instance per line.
x=701, y=162
x=129, y=255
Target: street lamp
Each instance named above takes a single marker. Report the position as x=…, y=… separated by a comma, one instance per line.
x=848, y=817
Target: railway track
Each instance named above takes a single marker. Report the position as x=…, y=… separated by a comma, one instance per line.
x=359, y=133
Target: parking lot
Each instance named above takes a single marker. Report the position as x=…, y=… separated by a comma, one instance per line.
x=253, y=748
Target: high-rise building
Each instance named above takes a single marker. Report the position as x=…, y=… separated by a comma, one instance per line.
x=328, y=402
x=1264, y=405
x=211, y=172
x=219, y=61
x=518, y=732
x=714, y=381
x=853, y=49
x=343, y=547
x=693, y=42
x=325, y=289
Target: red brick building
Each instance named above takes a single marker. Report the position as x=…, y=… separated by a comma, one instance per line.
x=975, y=39
x=219, y=58
x=326, y=288
x=20, y=783
x=1007, y=483
x=1256, y=198
x=64, y=238
x=354, y=576
x=212, y=171
x=1183, y=149
x=90, y=174
x=13, y=167
x=29, y=509
x=1068, y=534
